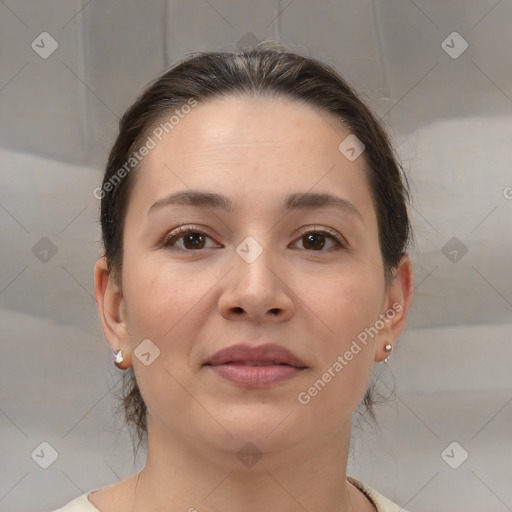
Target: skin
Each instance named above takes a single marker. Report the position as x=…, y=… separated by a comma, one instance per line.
x=191, y=304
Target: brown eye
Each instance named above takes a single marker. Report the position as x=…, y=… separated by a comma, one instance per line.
x=316, y=240
x=190, y=238
x=194, y=240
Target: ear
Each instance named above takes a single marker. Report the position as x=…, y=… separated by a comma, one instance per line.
x=111, y=308
x=395, y=307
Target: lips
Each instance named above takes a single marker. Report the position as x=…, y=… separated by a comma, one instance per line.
x=269, y=354
x=248, y=366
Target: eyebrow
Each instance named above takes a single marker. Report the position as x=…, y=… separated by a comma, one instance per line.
x=299, y=200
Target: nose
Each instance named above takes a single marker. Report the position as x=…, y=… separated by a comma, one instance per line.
x=257, y=289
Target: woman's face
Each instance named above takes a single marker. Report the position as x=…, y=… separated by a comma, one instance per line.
x=264, y=271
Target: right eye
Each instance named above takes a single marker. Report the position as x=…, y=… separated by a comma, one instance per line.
x=192, y=239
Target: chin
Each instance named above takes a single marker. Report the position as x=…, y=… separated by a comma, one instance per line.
x=266, y=425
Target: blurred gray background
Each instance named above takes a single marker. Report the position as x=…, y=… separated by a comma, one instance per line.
x=436, y=71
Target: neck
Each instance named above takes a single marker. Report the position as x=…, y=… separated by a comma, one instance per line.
x=182, y=476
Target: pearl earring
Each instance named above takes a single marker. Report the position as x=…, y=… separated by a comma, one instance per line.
x=388, y=348
x=118, y=359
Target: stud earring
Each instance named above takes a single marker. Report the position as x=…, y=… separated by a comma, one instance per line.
x=118, y=359
x=388, y=348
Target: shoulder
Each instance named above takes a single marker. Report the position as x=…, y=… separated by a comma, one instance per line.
x=80, y=504
x=381, y=503
x=113, y=497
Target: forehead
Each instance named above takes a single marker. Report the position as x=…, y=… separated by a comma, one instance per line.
x=253, y=146
x=247, y=121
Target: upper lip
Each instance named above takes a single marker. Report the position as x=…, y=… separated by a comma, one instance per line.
x=244, y=354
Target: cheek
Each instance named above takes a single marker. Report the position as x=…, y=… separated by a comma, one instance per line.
x=161, y=292
x=165, y=307
x=162, y=300
x=345, y=304
x=346, y=307
x=337, y=385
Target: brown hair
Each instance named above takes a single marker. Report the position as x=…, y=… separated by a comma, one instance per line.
x=261, y=71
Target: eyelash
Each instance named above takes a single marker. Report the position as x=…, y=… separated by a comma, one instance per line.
x=180, y=232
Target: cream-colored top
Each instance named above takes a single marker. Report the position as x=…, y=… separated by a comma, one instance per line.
x=382, y=504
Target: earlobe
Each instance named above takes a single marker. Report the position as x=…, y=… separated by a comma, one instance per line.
x=396, y=305
x=111, y=309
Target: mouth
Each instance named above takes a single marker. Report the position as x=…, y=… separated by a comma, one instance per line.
x=257, y=363
x=255, y=366
x=260, y=355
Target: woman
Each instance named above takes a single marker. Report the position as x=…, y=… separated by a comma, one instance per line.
x=255, y=229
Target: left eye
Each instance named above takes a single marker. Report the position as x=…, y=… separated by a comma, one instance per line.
x=315, y=239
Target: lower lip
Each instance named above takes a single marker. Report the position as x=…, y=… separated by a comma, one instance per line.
x=256, y=376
